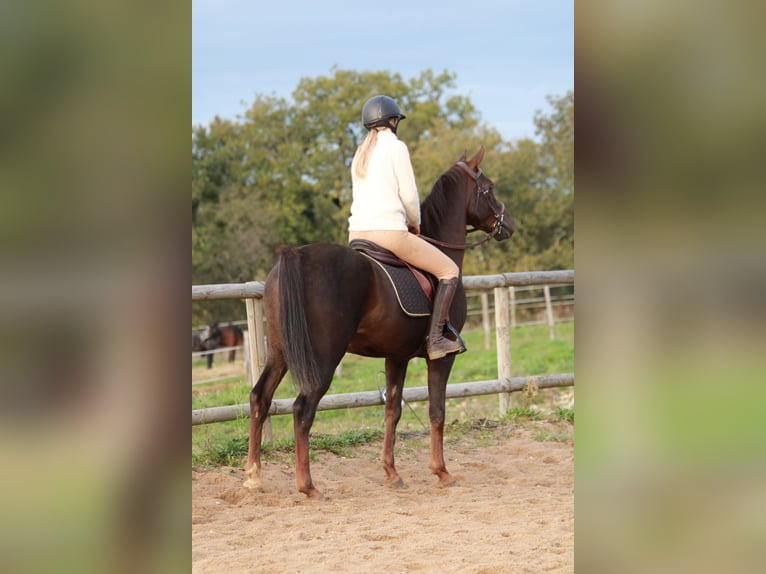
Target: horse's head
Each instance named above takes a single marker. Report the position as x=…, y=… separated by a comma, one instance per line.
x=210, y=337
x=484, y=211
x=206, y=339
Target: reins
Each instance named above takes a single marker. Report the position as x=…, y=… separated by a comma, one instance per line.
x=459, y=246
x=479, y=191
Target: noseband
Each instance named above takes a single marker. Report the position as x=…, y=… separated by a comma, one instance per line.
x=480, y=192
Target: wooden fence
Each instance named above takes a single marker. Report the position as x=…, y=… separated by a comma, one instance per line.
x=504, y=385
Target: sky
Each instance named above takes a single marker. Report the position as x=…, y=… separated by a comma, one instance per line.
x=507, y=55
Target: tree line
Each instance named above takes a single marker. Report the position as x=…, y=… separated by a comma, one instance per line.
x=279, y=175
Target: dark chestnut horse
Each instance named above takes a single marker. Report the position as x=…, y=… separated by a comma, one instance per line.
x=227, y=336
x=325, y=300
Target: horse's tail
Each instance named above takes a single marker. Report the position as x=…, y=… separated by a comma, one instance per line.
x=296, y=341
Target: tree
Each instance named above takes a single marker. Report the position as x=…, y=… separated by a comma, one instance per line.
x=536, y=181
x=280, y=175
x=284, y=169
x=557, y=157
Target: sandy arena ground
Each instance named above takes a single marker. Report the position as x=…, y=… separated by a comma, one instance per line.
x=512, y=512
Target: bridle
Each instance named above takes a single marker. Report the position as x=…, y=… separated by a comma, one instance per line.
x=480, y=192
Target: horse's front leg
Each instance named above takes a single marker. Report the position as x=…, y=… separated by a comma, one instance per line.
x=438, y=373
x=260, y=403
x=396, y=370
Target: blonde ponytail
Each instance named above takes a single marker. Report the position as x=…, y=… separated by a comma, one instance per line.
x=363, y=153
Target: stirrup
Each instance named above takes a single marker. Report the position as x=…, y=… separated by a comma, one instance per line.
x=446, y=340
x=458, y=338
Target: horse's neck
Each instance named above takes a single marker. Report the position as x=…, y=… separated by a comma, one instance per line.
x=450, y=230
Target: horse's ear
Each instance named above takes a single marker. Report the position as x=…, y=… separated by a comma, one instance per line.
x=476, y=160
x=462, y=157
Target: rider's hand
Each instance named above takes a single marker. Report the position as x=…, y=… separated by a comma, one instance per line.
x=414, y=229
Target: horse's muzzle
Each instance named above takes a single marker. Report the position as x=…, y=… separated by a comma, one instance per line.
x=505, y=228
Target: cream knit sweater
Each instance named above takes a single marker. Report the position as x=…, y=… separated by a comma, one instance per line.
x=387, y=197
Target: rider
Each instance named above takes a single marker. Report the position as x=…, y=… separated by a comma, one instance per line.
x=386, y=210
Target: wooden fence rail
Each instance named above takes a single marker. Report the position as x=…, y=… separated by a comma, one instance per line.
x=254, y=289
x=218, y=350
x=504, y=385
x=251, y=289
x=374, y=398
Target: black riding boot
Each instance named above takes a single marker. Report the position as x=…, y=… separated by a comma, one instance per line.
x=438, y=345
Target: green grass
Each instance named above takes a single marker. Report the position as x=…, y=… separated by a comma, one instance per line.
x=547, y=436
x=564, y=414
x=231, y=450
x=339, y=430
x=524, y=412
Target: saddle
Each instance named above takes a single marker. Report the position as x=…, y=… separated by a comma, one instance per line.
x=414, y=288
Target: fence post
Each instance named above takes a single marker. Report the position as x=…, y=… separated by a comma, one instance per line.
x=256, y=340
x=549, y=311
x=512, y=292
x=485, y=318
x=503, y=339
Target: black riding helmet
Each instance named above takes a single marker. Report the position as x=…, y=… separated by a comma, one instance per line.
x=378, y=110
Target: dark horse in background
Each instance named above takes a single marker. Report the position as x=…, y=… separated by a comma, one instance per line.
x=227, y=336
x=325, y=300
x=205, y=339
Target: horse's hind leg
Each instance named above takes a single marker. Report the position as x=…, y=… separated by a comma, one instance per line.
x=304, y=411
x=260, y=403
x=395, y=372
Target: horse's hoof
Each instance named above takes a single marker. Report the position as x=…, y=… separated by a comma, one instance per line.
x=447, y=482
x=253, y=484
x=397, y=484
x=314, y=494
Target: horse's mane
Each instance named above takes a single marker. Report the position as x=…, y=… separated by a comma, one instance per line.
x=438, y=202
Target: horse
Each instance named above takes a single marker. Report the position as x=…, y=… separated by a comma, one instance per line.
x=324, y=300
x=228, y=336
x=205, y=339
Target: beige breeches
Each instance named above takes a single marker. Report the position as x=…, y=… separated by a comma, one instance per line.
x=412, y=249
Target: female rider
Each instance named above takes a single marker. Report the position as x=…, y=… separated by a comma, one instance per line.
x=386, y=210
